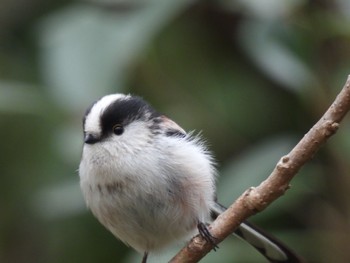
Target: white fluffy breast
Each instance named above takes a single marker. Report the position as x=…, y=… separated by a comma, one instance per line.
x=167, y=188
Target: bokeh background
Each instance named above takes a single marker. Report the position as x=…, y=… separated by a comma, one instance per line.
x=251, y=76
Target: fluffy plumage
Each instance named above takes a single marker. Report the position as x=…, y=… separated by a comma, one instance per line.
x=146, y=180
x=152, y=184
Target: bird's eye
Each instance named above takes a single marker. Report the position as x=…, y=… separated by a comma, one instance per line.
x=118, y=129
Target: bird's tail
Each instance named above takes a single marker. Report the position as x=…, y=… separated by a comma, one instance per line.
x=271, y=248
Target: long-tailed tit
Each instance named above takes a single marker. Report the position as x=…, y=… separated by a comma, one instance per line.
x=149, y=182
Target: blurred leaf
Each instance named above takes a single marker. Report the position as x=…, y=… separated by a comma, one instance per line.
x=87, y=50
x=61, y=200
x=265, y=9
x=256, y=164
x=251, y=167
x=344, y=7
x=67, y=140
x=21, y=98
x=273, y=57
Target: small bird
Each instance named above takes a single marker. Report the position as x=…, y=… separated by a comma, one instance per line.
x=150, y=183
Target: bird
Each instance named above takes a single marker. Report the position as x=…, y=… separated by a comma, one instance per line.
x=150, y=183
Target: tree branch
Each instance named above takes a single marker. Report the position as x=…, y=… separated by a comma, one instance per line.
x=258, y=198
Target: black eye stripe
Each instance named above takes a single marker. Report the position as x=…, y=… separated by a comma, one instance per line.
x=123, y=111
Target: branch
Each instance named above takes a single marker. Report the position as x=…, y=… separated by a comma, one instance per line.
x=257, y=199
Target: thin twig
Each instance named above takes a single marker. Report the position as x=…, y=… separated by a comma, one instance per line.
x=258, y=198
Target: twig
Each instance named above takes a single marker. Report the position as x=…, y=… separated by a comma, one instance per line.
x=257, y=199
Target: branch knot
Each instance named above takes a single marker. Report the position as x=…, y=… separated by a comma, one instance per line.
x=253, y=200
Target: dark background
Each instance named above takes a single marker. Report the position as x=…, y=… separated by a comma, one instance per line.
x=252, y=76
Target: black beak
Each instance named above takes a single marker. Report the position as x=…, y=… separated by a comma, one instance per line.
x=90, y=139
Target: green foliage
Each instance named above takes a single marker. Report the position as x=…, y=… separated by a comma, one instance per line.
x=251, y=76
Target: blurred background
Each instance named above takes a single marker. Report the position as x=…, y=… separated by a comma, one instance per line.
x=252, y=76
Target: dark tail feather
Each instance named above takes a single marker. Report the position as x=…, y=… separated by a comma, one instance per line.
x=270, y=247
